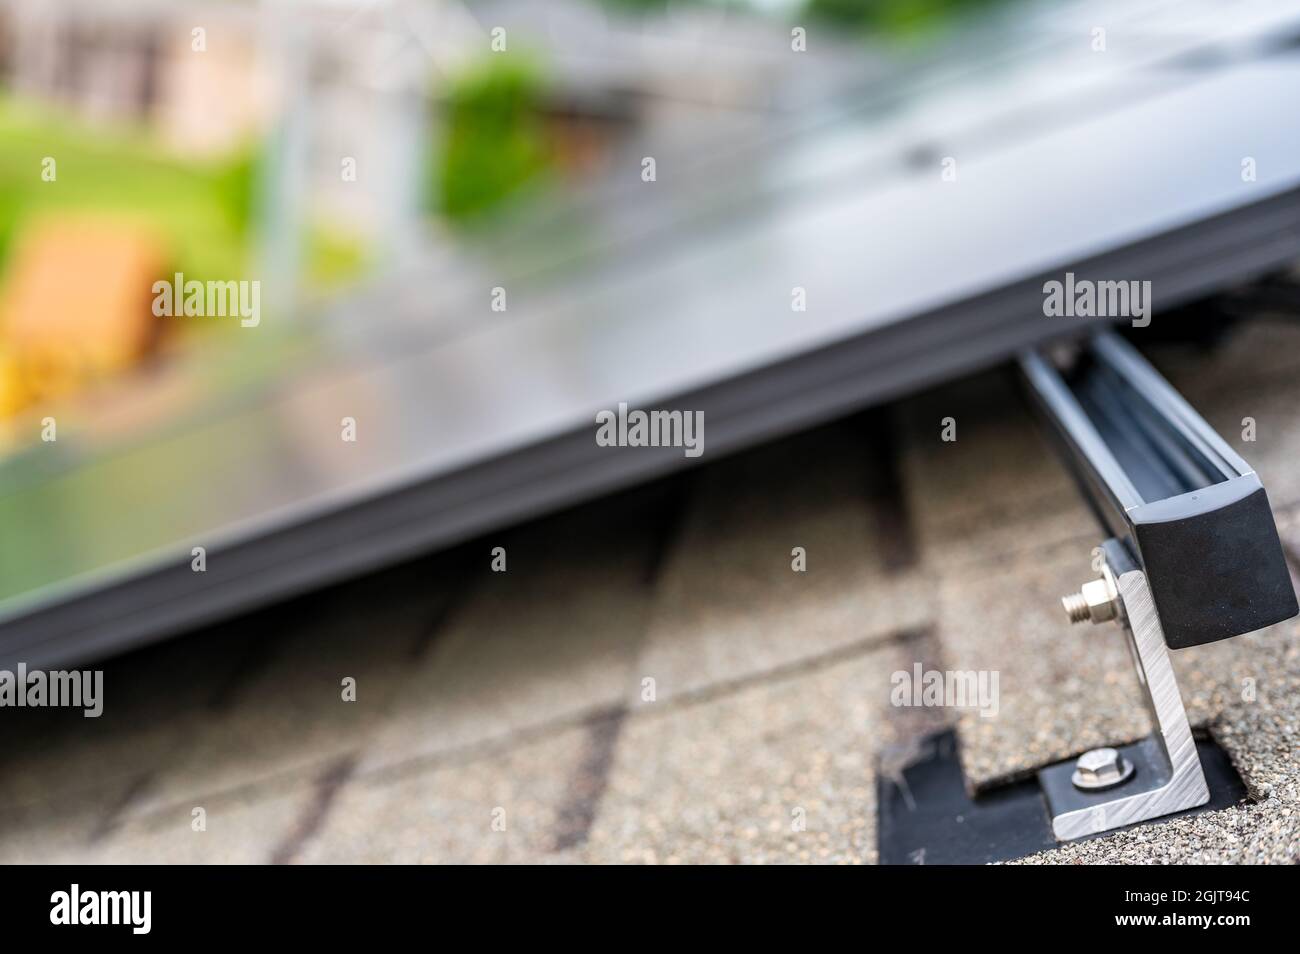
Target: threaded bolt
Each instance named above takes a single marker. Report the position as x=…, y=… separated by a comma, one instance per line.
x=1076, y=607
x=1097, y=600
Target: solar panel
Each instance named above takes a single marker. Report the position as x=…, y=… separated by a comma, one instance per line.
x=684, y=296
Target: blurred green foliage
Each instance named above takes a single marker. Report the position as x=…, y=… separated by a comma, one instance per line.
x=203, y=211
x=334, y=258
x=494, y=142
x=893, y=16
x=495, y=147
x=880, y=16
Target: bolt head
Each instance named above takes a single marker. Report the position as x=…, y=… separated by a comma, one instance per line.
x=1098, y=760
x=1101, y=768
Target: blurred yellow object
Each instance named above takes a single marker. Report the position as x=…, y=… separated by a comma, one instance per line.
x=77, y=303
x=13, y=395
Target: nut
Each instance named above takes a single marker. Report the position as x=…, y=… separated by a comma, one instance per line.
x=1097, y=600
x=1100, y=598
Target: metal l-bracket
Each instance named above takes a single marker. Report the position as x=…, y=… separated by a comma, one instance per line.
x=1168, y=776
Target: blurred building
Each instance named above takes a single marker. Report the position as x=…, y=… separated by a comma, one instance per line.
x=364, y=81
x=133, y=63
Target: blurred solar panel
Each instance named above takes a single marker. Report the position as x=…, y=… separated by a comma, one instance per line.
x=677, y=294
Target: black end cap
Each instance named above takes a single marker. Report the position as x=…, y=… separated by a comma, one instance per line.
x=1214, y=564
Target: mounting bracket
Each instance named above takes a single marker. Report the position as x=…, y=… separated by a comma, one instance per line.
x=1192, y=557
x=1166, y=774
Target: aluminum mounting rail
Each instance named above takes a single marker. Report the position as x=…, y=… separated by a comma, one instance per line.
x=1164, y=483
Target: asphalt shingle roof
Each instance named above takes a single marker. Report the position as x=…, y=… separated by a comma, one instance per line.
x=507, y=717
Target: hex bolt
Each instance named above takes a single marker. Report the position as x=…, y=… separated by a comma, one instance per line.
x=1097, y=600
x=1100, y=768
